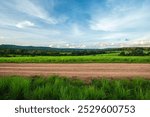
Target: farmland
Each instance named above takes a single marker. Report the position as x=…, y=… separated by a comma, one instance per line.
x=47, y=73
x=27, y=54
x=103, y=58
x=54, y=87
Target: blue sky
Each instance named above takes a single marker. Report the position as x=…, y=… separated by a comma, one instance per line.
x=75, y=23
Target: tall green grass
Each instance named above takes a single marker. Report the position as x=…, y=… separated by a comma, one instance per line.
x=56, y=88
x=105, y=58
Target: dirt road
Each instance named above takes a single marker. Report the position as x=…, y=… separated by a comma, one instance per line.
x=84, y=71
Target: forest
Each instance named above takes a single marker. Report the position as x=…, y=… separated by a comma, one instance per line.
x=13, y=50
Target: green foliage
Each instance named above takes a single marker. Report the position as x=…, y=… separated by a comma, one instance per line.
x=135, y=52
x=10, y=51
x=103, y=58
x=54, y=87
x=13, y=50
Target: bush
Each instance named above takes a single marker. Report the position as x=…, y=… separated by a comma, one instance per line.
x=133, y=52
x=54, y=87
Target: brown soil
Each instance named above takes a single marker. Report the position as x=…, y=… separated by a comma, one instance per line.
x=83, y=71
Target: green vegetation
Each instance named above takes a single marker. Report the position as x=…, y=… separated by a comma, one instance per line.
x=103, y=58
x=135, y=52
x=54, y=87
x=13, y=50
x=29, y=54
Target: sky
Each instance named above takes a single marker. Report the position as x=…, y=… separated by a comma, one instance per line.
x=75, y=23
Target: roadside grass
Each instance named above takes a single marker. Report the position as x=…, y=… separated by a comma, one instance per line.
x=62, y=88
x=104, y=58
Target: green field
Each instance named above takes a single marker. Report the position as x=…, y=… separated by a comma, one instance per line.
x=54, y=87
x=103, y=58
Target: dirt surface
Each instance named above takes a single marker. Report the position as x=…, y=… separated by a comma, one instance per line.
x=83, y=71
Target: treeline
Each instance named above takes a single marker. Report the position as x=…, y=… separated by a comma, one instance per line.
x=13, y=50
x=8, y=52
x=135, y=52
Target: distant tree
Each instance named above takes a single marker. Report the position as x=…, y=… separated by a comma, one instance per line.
x=122, y=53
x=138, y=52
x=133, y=52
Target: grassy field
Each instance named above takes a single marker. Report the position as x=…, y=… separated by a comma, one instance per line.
x=104, y=58
x=54, y=87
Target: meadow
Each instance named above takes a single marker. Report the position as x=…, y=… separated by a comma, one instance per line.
x=101, y=58
x=62, y=88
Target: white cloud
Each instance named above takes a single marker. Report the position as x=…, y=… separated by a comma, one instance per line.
x=114, y=36
x=35, y=10
x=121, y=17
x=131, y=43
x=2, y=37
x=143, y=41
x=25, y=24
x=76, y=30
x=117, y=23
x=16, y=10
x=28, y=8
x=82, y=46
x=66, y=45
x=105, y=44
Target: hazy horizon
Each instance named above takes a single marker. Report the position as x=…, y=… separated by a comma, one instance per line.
x=75, y=23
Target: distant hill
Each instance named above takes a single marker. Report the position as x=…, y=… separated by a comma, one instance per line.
x=13, y=50
x=25, y=47
x=5, y=46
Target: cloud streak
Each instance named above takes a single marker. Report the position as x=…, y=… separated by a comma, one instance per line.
x=122, y=18
x=25, y=24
